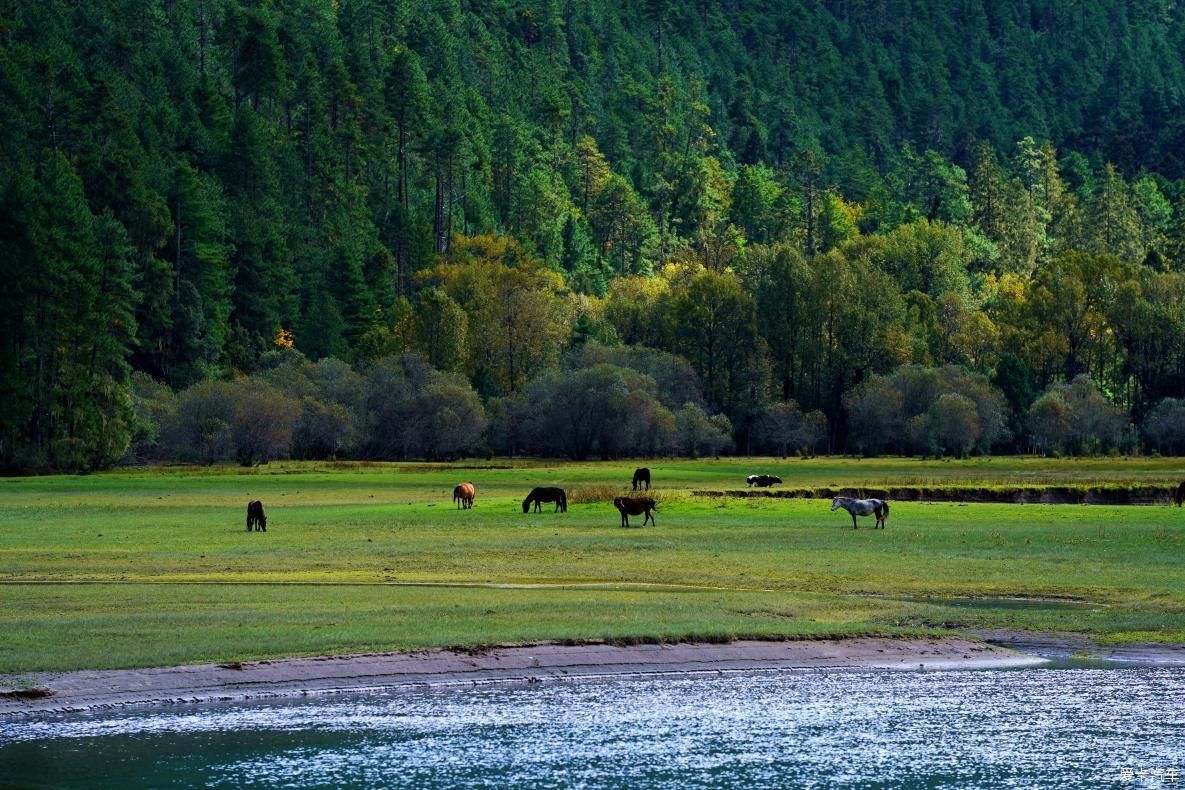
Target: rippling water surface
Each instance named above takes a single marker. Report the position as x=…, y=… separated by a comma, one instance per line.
x=1034, y=727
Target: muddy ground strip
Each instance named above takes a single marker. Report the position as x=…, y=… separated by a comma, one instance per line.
x=424, y=669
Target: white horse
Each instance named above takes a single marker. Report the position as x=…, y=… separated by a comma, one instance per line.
x=863, y=507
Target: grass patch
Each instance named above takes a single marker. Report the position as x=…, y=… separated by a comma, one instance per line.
x=589, y=495
x=27, y=693
x=154, y=567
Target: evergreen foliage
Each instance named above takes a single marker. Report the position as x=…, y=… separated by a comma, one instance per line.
x=793, y=197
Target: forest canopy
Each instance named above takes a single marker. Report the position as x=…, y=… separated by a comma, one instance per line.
x=251, y=229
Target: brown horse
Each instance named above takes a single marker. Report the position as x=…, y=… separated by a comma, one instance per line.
x=641, y=475
x=1181, y=494
x=255, y=516
x=635, y=506
x=539, y=495
x=463, y=495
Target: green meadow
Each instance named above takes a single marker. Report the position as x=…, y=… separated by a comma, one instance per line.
x=154, y=567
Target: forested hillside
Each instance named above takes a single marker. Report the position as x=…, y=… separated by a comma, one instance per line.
x=432, y=227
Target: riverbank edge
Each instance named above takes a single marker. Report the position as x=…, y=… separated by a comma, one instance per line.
x=92, y=690
x=1108, y=494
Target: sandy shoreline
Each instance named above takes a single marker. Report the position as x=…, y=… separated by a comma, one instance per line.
x=103, y=689
x=427, y=669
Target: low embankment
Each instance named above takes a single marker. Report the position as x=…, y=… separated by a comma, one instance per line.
x=527, y=663
x=1019, y=495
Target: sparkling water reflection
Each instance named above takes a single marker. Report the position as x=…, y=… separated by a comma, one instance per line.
x=1035, y=727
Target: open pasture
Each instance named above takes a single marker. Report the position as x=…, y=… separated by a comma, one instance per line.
x=151, y=567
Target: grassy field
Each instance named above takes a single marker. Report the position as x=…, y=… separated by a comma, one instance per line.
x=152, y=567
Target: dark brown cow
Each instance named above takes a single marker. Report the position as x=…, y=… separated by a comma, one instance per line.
x=1181, y=494
x=255, y=516
x=641, y=475
x=635, y=506
x=463, y=495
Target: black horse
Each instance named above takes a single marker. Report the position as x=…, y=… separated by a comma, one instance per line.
x=641, y=475
x=635, y=506
x=255, y=516
x=540, y=495
x=1181, y=494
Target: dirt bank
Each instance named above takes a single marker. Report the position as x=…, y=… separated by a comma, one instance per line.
x=1015, y=495
x=1057, y=646
x=89, y=690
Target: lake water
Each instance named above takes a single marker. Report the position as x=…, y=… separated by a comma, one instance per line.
x=1065, y=728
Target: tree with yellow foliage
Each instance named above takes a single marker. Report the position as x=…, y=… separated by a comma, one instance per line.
x=518, y=312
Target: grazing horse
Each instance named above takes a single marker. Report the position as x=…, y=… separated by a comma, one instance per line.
x=863, y=507
x=255, y=516
x=641, y=475
x=1181, y=494
x=463, y=495
x=762, y=481
x=636, y=506
x=539, y=495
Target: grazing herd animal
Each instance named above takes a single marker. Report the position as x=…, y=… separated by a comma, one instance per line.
x=465, y=493
x=540, y=495
x=863, y=507
x=463, y=496
x=1181, y=494
x=635, y=506
x=256, y=518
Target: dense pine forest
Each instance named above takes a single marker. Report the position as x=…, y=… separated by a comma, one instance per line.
x=428, y=228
